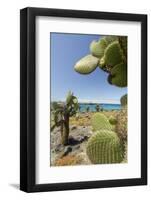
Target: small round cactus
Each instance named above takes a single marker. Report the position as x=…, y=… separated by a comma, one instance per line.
x=100, y=121
x=104, y=147
x=86, y=65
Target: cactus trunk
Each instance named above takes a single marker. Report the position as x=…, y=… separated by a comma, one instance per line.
x=65, y=131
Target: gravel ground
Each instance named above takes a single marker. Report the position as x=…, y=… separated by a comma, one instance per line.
x=78, y=138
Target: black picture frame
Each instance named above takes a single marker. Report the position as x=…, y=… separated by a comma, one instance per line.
x=28, y=99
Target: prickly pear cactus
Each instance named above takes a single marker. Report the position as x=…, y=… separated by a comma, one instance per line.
x=111, y=55
x=86, y=65
x=121, y=126
x=104, y=147
x=100, y=121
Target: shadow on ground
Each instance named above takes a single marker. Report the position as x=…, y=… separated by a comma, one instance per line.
x=14, y=185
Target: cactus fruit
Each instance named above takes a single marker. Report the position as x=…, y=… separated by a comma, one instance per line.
x=100, y=121
x=112, y=120
x=121, y=126
x=123, y=100
x=104, y=147
x=118, y=75
x=86, y=65
x=113, y=54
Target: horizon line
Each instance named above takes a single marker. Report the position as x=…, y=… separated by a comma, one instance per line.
x=105, y=101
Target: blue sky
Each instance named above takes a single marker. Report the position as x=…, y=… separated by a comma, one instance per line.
x=65, y=51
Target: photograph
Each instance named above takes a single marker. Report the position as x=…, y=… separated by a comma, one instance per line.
x=88, y=99
x=83, y=119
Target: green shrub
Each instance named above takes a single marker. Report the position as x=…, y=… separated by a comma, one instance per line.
x=123, y=100
x=112, y=120
x=121, y=126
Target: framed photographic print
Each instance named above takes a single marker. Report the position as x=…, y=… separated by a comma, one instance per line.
x=83, y=98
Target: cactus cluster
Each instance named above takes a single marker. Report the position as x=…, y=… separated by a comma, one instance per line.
x=61, y=114
x=109, y=54
x=104, y=147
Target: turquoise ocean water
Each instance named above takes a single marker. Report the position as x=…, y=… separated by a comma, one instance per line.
x=83, y=107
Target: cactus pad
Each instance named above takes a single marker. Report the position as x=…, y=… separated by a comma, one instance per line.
x=100, y=121
x=110, y=38
x=97, y=48
x=123, y=44
x=110, y=55
x=86, y=65
x=119, y=75
x=104, y=147
x=113, y=54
